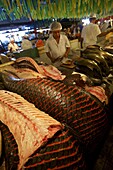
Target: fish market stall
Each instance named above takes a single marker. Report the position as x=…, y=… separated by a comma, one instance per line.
x=55, y=118
x=78, y=101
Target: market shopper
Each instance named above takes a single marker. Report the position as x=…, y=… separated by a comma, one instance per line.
x=26, y=43
x=12, y=46
x=39, y=43
x=57, y=45
x=90, y=32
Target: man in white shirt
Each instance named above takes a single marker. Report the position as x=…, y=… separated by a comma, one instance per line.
x=90, y=32
x=12, y=46
x=26, y=43
x=57, y=45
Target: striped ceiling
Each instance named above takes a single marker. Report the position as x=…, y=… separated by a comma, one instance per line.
x=46, y=9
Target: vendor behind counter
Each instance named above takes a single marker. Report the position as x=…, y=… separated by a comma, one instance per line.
x=26, y=43
x=12, y=46
x=26, y=50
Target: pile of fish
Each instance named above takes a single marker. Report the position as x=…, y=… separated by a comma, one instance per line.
x=97, y=64
x=104, y=39
x=81, y=118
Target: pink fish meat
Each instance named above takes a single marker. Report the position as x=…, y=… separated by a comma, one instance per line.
x=98, y=92
x=48, y=71
x=30, y=127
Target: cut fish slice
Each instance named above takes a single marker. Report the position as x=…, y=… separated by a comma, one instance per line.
x=30, y=127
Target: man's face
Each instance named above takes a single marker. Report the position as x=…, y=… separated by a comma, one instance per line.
x=93, y=20
x=56, y=34
x=12, y=41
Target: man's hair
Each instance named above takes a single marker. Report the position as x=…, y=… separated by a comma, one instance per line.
x=91, y=19
x=55, y=26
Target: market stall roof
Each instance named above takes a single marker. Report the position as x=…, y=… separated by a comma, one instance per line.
x=45, y=9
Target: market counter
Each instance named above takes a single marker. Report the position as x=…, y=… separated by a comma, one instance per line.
x=32, y=52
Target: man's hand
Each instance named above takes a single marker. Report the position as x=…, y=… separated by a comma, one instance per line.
x=11, y=49
x=53, y=60
x=50, y=57
x=67, y=52
x=65, y=55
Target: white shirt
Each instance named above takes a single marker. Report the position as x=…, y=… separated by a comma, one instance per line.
x=13, y=46
x=26, y=44
x=104, y=26
x=57, y=49
x=89, y=34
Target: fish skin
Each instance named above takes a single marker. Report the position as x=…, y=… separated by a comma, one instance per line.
x=108, y=57
x=96, y=46
x=100, y=61
x=102, y=53
x=63, y=144
x=89, y=64
x=96, y=81
x=67, y=104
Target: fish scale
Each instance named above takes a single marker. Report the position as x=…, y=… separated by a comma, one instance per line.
x=62, y=151
x=11, y=148
x=80, y=110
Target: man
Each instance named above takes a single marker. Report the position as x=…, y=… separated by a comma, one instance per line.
x=26, y=44
x=12, y=46
x=57, y=45
x=90, y=32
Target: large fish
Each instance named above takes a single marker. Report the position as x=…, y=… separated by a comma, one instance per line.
x=100, y=61
x=72, y=105
x=88, y=67
x=102, y=53
x=94, y=47
x=108, y=57
x=34, y=140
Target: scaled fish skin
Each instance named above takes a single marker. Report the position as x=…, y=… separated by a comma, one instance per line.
x=68, y=104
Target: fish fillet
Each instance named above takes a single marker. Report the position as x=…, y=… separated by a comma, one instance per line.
x=31, y=127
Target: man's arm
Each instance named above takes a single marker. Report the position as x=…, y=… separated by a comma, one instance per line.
x=67, y=47
x=17, y=47
x=47, y=51
x=50, y=57
x=81, y=42
x=67, y=52
x=82, y=37
x=9, y=47
x=98, y=30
